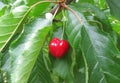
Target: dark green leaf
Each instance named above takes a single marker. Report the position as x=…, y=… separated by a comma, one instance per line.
x=63, y=67
x=5, y=69
x=114, y=7
x=25, y=50
x=97, y=15
x=101, y=56
x=73, y=31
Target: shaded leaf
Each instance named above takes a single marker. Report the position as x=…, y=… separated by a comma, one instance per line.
x=1, y=5
x=101, y=56
x=63, y=67
x=25, y=50
x=95, y=15
x=5, y=68
x=114, y=7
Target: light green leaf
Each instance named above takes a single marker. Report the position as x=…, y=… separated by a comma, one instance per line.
x=9, y=24
x=25, y=50
x=2, y=11
x=81, y=1
x=40, y=74
x=38, y=10
x=9, y=27
x=42, y=68
x=19, y=11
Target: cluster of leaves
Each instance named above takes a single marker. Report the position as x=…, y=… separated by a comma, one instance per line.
x=93, y=35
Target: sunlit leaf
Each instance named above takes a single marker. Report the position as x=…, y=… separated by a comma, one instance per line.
x=25, y=50
x=40, y=72
x=9, y=25
x=38, y=10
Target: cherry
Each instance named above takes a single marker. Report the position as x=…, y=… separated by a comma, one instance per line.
x=58, y=48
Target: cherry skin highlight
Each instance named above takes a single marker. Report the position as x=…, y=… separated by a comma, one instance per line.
x=58, y=48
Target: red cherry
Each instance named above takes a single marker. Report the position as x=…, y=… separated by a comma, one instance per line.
x=58, y=48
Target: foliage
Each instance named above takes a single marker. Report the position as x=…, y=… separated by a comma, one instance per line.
x=90, y=26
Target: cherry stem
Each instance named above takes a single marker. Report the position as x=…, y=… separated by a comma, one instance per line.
x=64, y=24
x=47, y=1
x=71, y=10
x=59, y=5
x=40, y=2
x=55, y=12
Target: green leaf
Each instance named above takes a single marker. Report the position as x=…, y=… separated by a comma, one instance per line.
x=63, y=67
x=20, y=11
x=38, y=10
x=97, y=15
x=101, y=56
x=1, y=77
x=81, y=1
x=25, y=50
x=5, y=66
x=2, y=11
x=42, y=68
x=9, y=27
x=73, y=30
x=40, y=72
x=18, y=3
x=114, y=7
x=1, y=5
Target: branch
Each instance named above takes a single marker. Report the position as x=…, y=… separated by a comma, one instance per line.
x=68, y=2
x=59, y=6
